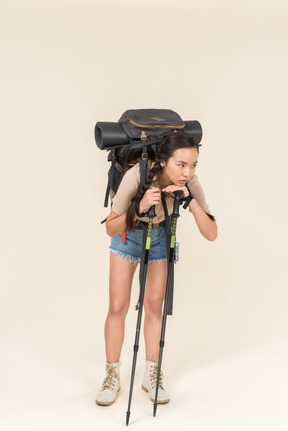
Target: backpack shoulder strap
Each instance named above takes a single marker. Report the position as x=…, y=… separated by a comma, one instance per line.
x=143, y=165
x=110, y=179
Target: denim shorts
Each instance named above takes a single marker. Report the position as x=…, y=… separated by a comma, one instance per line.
x=131, y=249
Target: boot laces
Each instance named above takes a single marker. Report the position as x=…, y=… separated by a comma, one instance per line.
x=153, y=376
x=110, y=379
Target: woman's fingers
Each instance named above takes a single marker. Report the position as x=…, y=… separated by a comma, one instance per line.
x=153, y=194
x=173, y=188
x=154, y=199
x=151, y=197
x=153, y=190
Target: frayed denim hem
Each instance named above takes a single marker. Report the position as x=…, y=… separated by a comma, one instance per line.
x=157, y=260
x=133, y=259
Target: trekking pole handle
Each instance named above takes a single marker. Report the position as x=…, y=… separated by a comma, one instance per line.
x=177, y=203
x=151, y=212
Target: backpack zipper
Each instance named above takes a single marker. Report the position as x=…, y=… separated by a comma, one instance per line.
x=156, y=126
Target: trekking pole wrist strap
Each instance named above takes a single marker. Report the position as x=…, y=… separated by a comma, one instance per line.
x=188, y=199
x=138, y=213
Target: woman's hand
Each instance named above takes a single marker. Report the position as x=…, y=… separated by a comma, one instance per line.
x=173, y=188
x=151, y=197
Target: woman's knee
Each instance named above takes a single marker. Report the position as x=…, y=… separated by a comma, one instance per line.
x=153, y=306
x=118, y=308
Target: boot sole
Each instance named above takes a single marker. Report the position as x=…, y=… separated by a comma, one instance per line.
x=107, y=403
x=153, y=401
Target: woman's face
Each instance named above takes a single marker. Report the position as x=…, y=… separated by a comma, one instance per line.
x=180, y=167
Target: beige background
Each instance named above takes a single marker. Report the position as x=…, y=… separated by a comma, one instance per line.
x=64, y=66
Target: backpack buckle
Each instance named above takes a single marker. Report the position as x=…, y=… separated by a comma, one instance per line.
x=118, y=167
x=145, y=156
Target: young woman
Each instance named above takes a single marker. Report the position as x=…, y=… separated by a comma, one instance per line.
x=173, y=169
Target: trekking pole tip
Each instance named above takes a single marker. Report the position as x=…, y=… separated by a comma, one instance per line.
x=127, y=418
x=154, y=410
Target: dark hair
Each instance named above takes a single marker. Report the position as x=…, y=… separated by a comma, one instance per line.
x=166, y=149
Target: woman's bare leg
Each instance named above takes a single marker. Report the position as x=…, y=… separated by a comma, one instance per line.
x=120, y=282
x=153, y=304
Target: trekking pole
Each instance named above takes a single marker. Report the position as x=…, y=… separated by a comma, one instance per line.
x=175, y=215
x=151, y=215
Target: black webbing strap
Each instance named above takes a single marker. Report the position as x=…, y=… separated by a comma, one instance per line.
x=142, y=262
x=168, y=239
x=110, y=178
x=117, y=179
x=143, y=165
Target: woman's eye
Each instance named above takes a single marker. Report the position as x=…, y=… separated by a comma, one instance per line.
x=181, y=166
x=194, y=166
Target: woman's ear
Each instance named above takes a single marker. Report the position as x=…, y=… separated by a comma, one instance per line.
x=162, y=164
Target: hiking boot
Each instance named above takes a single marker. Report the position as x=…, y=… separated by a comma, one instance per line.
x=110, y=386
x=150, y=380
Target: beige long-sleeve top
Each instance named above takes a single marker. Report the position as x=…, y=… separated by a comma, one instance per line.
x=129, y=187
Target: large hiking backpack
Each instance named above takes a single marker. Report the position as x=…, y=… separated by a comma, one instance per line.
x=134, y=139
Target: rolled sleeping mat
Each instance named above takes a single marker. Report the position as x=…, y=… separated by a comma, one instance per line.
x=194, y=129
x=110, y=135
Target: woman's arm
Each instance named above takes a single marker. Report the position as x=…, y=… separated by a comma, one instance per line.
x=115, y=224
x=206, y=226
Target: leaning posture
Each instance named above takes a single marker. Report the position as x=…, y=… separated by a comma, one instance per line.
x=174, y=169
